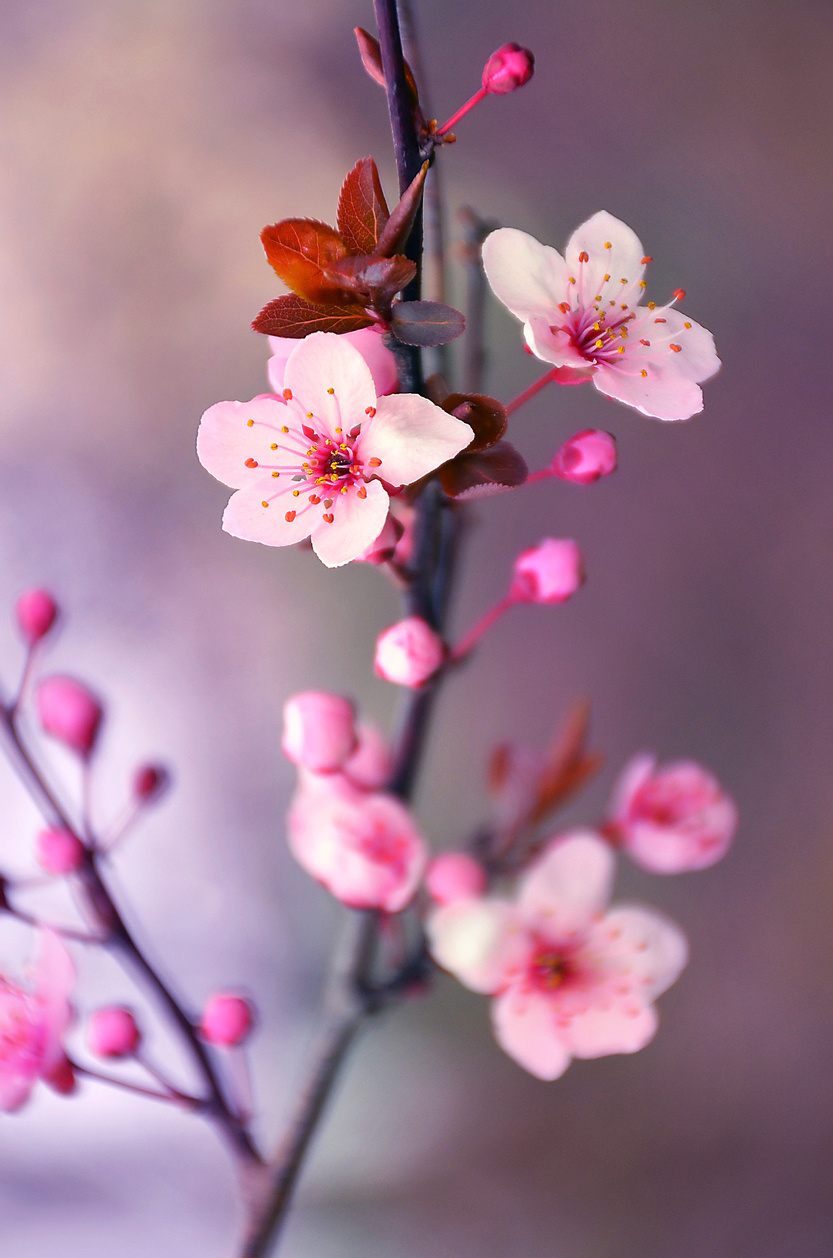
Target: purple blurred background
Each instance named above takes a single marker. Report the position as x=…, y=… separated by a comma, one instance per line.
x=143, y=147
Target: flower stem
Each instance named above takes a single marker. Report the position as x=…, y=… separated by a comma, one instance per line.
x=476, y=633
x=524, y=397
x=463, y=110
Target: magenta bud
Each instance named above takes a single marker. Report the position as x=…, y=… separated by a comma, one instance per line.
x=113, y=1032
x=548, y=573
x=69, y=712
x=455, y=876
x=586, y=457
x=409, y=652
x=151, y=781
x=319, y=730
x=227, y=1019
x=35, y=611
x=59, y=851
x=510, y=67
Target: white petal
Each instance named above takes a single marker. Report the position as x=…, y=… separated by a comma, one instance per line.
x=624, y=1027
x=323, y=362
x=356, y=523
x=481, y=942
x=695, y=356
x=647, y=947
x=568, y=886
x=662, y=394
x=247, y=518
x=622, y=262
x=528, y=277
x=554, y=345
x=411, y=436
x=525, y=1028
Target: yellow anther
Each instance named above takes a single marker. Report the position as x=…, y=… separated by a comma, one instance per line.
x=344, y=489
x=264, y=504
x=339, y=430
x=331, y=391
x=571, y=280
x=296, y=493
x=644, y=373
x=608, y=245
x=643, y=283
x=598, y=345
x=310, y=415
x=275, y=475
x=652, y=305
x=597, y=327
x=686, y=325
x=250, y=423
x=598, y=298
x=284, y=428
x=607, y=277
x=620, y=349
x=274, y=445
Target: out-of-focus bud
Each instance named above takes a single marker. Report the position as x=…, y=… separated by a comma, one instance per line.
x=455, y=876
x=586, y=457
x=35, y=611
x=409, y=652
x=112, y=1032
x=370, y=764
x=510, y=67
x=319, y=731
x=227, y=1019
x=151, y=781
x=69, y=712
x=59, y=851
x=549, y=572
x=383, y=548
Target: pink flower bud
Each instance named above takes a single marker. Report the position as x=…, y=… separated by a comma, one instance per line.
x=369, y=766
x=112, y=1032
x=319, y=731
x=586, y=457
x=226, y=1019
x=59, y=851
x=35, y=611
x=69, y=712
x=510, y=67
x=409, y=652
x=151, y=781
x=549, y=572
x=455, y=876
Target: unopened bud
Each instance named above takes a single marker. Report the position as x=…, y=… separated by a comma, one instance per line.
x=151, y=781
x=35, y=611
x=409, y=652
x=59, y=851
x=319, y=731
x=586, y=457
x=510, y=67
x=548, y=573
x=227, y=1019
x=113, y=1032
x=455, y=876
x=69, y=712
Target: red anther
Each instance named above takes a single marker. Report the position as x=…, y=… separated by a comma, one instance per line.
x=371, y=411
x=289, y=517
x=251, y=462
x=361, y=493
x=564, y=307
x=375, y=462
x=641, y=342
x=647, y=259
x=676, y=348
x=584, y=256
x=328, y=516
x=679, y=293
x=288, y=394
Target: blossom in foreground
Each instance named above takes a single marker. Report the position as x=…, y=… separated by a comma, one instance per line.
x=455, y=876
x=319, y=730
x=36, y=612
x=59, y=851
x=69, y=712
x=319, y=460
x=582, y=313
x=32, y=1026
x=673, y=818
x=113, y=1032
x=409, y=652
x=569, y=978
x=362, y=845
x=369, y=343
x=227, y=1019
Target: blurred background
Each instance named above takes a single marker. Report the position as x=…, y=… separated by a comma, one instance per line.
x=143, y=147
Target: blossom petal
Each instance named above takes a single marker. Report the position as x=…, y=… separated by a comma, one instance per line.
x=662, y=394
x=528, y=277
x=624, y=1027
x=481, y=942
x=554, y=345
x=14, y=1091
x=226, y=440
x=54, y=980
x=322, y=362
x=693, y=356
x=411, y=436
x=635, y=773
x=247, y=518
x=622, y=262
x=646, y=948
x=525, y=1028
x=356, y=523
x=567, y=886
x=369, y=343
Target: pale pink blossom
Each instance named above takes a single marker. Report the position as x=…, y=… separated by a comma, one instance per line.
x=673, y=818
x=319, y=730
x=227, y=1019
x=369, y=766
x=586, y=457
x=59, y=851
x=36, y=612
x=69, y=712
x=582, y=312
x=548, y=573
x=312, y=462
x=113, y=1032
x=363, y=846
x=409, y=652
x=507, y=69
x=33, y=1022
x=369, y=343
x=570, y=977
x=455, y=876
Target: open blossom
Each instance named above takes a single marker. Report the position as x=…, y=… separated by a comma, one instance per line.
x=363, y=846
x=569, y=978
x=582, y=313
x=312, y=462
x=369, y=343
x=32, y=1026
x=673, y=818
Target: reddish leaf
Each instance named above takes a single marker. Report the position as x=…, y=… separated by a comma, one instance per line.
x=500, y=467
x=568, y=763
x=484, y=414
x=362, y=209
x=426, y=323
x=371, y=55
x=373, y=281
x=398, y=227
x=299, y=250
x=290, y=316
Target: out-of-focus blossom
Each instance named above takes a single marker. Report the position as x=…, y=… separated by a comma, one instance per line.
x=586, y=457
x=319, y=731
x=312, y=462
x=548, y=573
x=508, y=68
x=35, y=611
x=69, y=712
x=227, y=1019
x=363, y=846
x=32, y=1026
x=369, y=766
x=369, y=343
x=673, y=818
x=151, y=781
x=455, y=876
x=112, y=1032
x=59, y=851
x=570, y=979
x=582, y=312
x=409, y=652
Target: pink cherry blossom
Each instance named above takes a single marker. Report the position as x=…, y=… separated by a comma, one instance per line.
x=227, y=1019
x=455, y=876
x=409, y=652
x=569, y=978
x=674, y=818
x=32, y=1026
x=582, y=312
x=36, y=612
x=586, y=457
x=59, y=851
x=369, y=343
x=69, y=712
x=319, y=730
x=369, y=766
x=363, y=846
x=312, y=463
x=548, y=573
x=112, y=1032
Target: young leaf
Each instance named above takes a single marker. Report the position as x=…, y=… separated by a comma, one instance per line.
x=500, y=467
x=484, y=414
x=426, y=323
x=290, y=316
x=373, y=281
x=371, y=55
x=362, y=209
x=398, y=227
x=299, y=250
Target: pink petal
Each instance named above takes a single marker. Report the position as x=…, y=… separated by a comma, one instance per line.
x=623, y=261
x=695, y=358
x=528, y=277
x=555, y=346
x=625, y=1027
x=247, y=518
x=324, y=361
x=635, y=773
x=481, y=942
x=643, y=947
x=14, y=1091
x=525, y=1028
x=225, y=441
x=411, y=436
x=54, y=980
x=567, y=886
x=662, y=394
x=356, y=523
x=369, y=343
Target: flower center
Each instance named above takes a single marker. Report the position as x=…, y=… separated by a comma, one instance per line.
x=549, y=969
